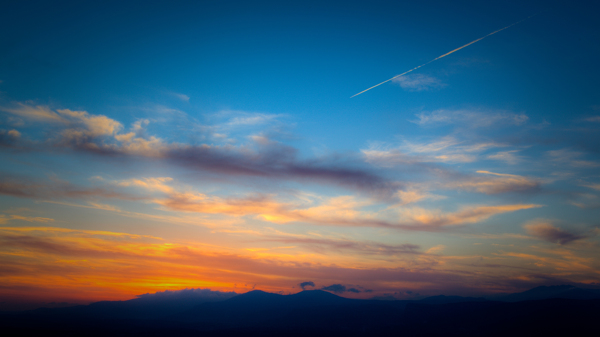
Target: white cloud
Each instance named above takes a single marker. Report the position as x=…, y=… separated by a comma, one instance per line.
x=418, y=82
x=471, y=118
x=446, y=150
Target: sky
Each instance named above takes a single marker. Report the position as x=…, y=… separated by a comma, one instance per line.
x=151, y=146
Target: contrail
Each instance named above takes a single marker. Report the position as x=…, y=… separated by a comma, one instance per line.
x=448, y=53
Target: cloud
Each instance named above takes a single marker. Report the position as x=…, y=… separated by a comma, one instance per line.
x=413, y=195
x=470, y=118
x=335, y=288
x=303, y=285
x=585, y=200
x=546, y=231
x=571, y=158
x=421, y=219
x=593, y=119
x=36, y=113
x=497, y=183
x=268, y=159
x=151, y=184
x=182, y=97
x=245, y=118
x=26, y=187
x=77, y=256
x=593, y=186
x=201, y=203
x=125, y=265
x=508, y=156
x=189, y=293
x=9, y=138
x=90, y=125
x=445, y=150
x=339, y=289
x=368, y=248
x=418, y=82
x=335, y=211
x=280, y=162
x=413, y=219
x=4, y=219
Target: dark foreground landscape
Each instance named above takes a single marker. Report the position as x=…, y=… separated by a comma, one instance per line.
x=563, y=310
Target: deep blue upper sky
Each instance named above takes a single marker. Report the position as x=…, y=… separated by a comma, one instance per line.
x=303, y=58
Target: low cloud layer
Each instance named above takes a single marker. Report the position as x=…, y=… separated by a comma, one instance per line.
x=191, y=293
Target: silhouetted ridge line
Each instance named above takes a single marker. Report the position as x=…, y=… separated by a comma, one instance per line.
x=549, y=292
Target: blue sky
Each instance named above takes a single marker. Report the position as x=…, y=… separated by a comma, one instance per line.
x=227, y=128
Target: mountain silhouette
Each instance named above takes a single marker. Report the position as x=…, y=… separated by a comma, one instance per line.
x=309, y=308
x=442, y=299
x=549, y=292
x=315, y=313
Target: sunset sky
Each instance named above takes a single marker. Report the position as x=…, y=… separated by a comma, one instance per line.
x=155, y=146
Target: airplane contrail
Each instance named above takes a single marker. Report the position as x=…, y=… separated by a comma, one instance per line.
x=448, y=53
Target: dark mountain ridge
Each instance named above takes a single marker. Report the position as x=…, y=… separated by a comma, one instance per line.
x=316, y=312
x=548, y=292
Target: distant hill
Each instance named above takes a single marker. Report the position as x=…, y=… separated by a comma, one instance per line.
x=441, y=299
x=549, y=292
x=309, y=308
x=148, y=306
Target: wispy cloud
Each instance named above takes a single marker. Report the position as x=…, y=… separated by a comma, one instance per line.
x=593, y=186
x=5, y=219
x=593, y=119
x=443, y=150
x=470, y=118
x=182, y=97
x=423, y=219
x=35, y=113
x=571, y=158
x=326, y=245
x=510, y=157
x=418, y=82
x=245, y=118
x=495, y=183
x=20, y=186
